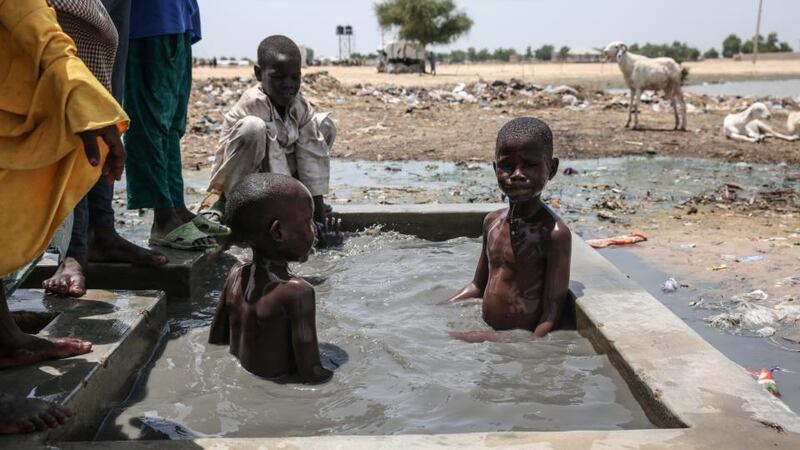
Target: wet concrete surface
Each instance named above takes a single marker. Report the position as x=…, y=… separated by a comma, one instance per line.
x=748, y=351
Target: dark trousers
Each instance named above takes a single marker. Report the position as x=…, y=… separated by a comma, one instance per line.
x=95, y=210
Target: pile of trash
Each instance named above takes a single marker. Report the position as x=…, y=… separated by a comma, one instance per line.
x=731, y=196
x=498, y=93
x=754, y=312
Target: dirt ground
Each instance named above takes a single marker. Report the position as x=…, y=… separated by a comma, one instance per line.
x=389, y=117
x=595, y=75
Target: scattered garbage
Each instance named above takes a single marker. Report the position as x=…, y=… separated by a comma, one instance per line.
x=749, y=259
x=765, y=332
x=570, y=171
x=627, y=239
x=765, y=379
x=669, y=286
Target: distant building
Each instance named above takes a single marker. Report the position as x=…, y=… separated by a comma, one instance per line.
x=584, y=55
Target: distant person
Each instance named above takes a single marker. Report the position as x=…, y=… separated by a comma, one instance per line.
x=432, y=60
x=523, y=270
x=266, y=315
x=157, y=87
x=59, y=132
x=214, y=62
x=273, y=128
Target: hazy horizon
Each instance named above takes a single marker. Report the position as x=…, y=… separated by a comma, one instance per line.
x=235, y=27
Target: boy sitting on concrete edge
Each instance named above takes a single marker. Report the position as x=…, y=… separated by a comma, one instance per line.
x=267, y=316
x=523, y=270
x=273, y=128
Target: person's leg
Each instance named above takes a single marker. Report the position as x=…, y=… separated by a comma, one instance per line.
x=18, y=348
x=105, y=244
x=26, y=415
x=241, y=154
x=69, y=279
x=313, y=161
x=150, y=102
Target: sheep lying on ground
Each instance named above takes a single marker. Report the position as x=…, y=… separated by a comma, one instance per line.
x=747, y=126
x=793, y=123
x=643, y=73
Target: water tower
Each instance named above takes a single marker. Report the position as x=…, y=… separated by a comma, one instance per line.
x=346, y=37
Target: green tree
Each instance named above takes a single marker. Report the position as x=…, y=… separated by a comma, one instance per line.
x=711, y=53
x=544, y=53
x=484, y=54
x=731, y=46
x=423, y=21
x=563, y=52
x=472, y=54
x=529, y=52
x=785, y=47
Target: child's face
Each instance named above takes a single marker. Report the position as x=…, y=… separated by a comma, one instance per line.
x=298, y=231
x=280, y=79
x=523, y=169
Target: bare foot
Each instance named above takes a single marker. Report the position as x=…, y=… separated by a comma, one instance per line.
x=68, y=281
x=26, y=415
x=27, y=349
x=108, y=246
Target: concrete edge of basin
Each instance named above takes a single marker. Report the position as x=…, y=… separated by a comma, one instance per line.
x=680, y=379
x=124, y=329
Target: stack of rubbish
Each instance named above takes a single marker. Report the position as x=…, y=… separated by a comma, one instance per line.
x=754, y=312
x=731, y=196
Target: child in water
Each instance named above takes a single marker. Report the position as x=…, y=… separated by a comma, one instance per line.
x=266, y=315
x=523, y=270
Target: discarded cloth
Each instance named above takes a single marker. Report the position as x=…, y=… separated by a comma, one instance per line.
x=628, y=239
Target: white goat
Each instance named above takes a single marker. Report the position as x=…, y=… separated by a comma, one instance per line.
x=793, y=123
x=643, y=73
x=747, y=126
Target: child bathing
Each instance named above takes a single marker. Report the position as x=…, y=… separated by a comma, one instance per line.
x=266, y=315
x=523, y=270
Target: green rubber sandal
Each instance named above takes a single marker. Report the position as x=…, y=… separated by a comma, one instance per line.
x=208, y=226
x=183, y=238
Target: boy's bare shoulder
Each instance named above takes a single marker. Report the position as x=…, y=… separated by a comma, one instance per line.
x=559, y=232
x=493, y=216
x=298, y=295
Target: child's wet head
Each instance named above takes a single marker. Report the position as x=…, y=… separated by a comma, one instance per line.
x=273, y=214
x=278, y=69
x=524, y=161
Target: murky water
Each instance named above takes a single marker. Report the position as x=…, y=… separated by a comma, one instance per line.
x=757, y=88
x=403, y=372
x=639, y=182
x=762, y=88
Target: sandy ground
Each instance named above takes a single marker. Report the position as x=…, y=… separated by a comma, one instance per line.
x=593, y=75
x=381, y=126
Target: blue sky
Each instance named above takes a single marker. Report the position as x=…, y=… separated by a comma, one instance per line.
x=235, y=27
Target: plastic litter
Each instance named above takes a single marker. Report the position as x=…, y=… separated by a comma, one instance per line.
x=570, y=171
x=628, y=239
x=765, y=379
x=669, y=286
x=749, y=259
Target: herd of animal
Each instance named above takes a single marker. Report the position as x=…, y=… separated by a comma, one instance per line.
x=664, y=74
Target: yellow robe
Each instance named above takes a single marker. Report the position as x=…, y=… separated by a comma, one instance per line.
x=47, y=95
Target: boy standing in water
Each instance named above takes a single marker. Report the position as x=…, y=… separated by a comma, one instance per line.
x=523, y=270
x=266, y=315
x=273, y=128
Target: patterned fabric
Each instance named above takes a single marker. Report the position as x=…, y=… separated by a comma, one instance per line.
x=88, y=24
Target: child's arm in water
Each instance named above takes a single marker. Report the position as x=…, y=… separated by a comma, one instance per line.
x=556, y=278
x=303, y=315
x=220, y=333
x=476, y=288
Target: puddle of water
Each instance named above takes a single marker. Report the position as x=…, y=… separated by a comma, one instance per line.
x=748, y=351
x=757, y=88
x=764, y=88
x=405, y=374
x=640, y=182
